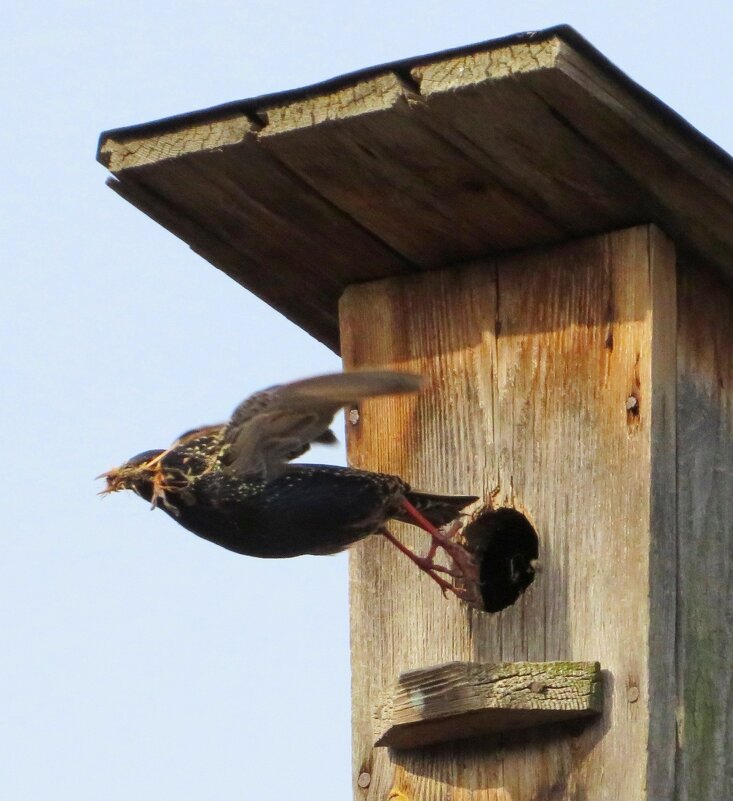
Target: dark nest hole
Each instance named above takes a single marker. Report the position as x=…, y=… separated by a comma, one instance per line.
x=506, y=547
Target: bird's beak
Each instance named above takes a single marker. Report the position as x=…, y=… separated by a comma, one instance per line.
x=112, y=478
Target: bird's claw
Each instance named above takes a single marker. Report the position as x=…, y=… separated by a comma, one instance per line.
x=463, y=566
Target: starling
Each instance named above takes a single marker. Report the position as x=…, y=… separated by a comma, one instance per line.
x=234, y=485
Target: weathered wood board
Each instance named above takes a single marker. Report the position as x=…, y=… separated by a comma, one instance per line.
x=531, y=359
x=705, y=524
x=458, y=700
x=439, y=159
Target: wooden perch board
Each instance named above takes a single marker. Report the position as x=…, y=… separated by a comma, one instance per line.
x=467, y=699
x=436, y=160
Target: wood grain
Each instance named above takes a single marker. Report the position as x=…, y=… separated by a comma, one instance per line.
x=246, y=214
x=531, y=359
x=705, y=465
x=126, y=153
x=313, y=313
x=406, y=184
x=432, y=161
x=458, y=700
x=690, y=196
x=470, y=102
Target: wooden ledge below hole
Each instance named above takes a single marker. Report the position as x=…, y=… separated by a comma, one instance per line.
x=456, y=700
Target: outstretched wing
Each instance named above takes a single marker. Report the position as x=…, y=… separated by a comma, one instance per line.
x=275, y=425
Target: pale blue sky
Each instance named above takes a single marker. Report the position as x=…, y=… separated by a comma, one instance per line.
x=137, y=661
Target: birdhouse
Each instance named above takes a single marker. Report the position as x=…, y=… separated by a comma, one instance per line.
x=552, y=247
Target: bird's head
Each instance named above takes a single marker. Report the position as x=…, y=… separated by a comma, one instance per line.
x=136, y=474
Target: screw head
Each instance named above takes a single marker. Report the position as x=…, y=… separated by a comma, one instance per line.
x=364, y=780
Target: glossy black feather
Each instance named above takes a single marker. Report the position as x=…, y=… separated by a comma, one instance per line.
x=233, y=484
x=308, y=509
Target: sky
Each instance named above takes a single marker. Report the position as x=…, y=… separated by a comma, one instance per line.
x=138, y=661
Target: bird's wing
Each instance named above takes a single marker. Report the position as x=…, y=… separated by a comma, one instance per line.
x=196, y=433
x=273, y=426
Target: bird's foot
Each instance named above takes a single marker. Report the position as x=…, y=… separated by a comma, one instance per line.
x=465, y=566
x=427, y=565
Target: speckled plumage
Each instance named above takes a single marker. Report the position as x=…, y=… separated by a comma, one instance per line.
x=233, y=483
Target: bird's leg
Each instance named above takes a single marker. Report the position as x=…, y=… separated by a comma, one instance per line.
x=435, y=544
x=462, y=559
x=427, y=565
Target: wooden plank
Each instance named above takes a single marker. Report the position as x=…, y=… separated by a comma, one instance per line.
x=434, y=160
x=242, y=211
x=690, y=195
x=411, y=188
x=243, y=195
x=311, y=313
x=705, y=510
x=124, y=153
x=511, y=131
x=660, y=399
x=449, y=702
x=531, y=359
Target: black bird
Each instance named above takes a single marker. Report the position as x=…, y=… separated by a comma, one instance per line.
x=233, y=483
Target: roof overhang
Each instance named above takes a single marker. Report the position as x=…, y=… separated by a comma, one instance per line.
x=423, y=163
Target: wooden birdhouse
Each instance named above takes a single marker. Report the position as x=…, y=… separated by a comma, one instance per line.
x=553, y=248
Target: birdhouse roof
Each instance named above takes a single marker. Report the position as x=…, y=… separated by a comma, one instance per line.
x=423, y=163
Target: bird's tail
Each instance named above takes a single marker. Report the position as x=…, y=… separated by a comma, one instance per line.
x=438, y=509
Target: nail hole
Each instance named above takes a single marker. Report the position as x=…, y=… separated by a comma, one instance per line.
x=507, y=549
